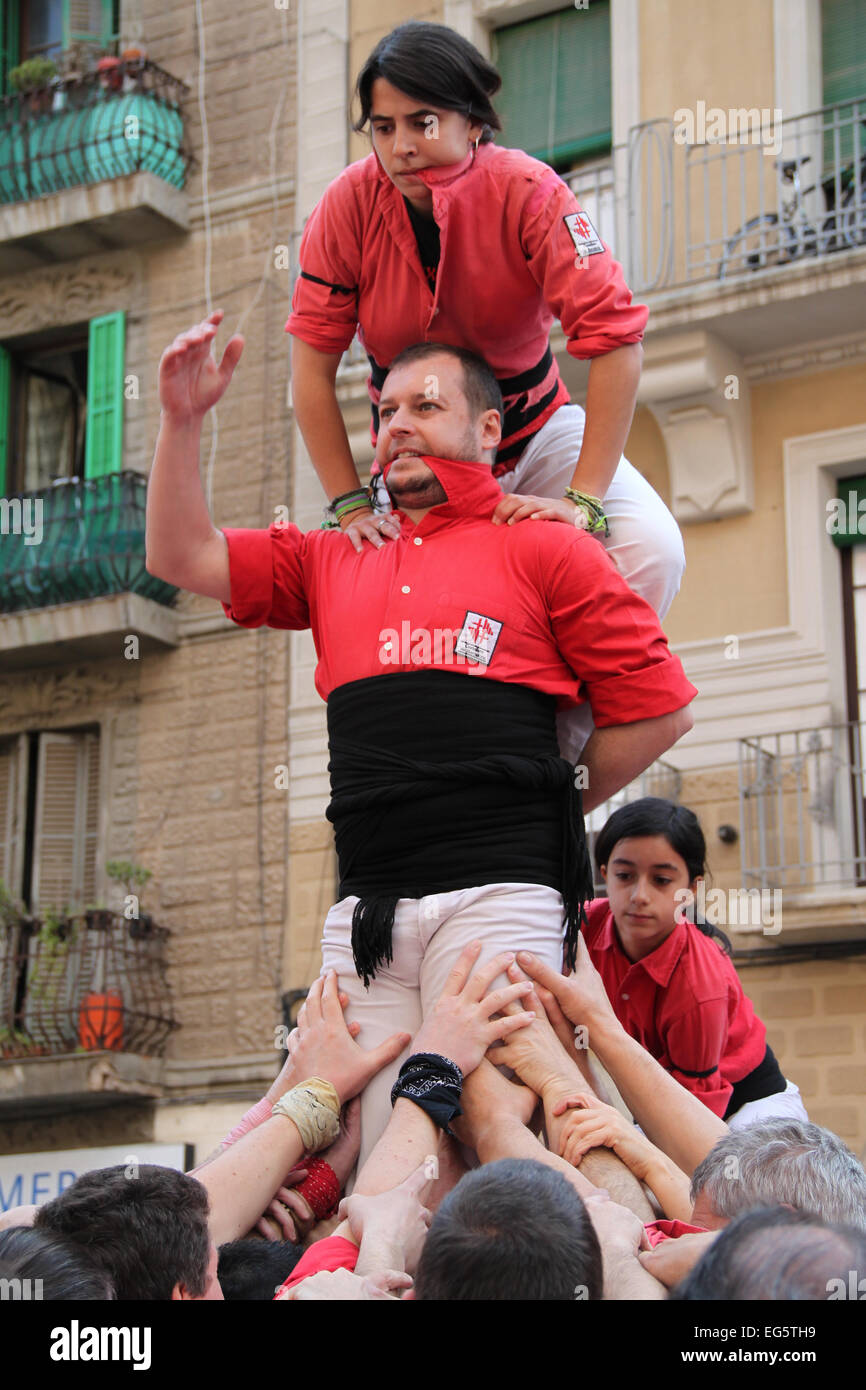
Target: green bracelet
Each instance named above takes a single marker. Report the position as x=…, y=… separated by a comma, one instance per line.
x=593, y=509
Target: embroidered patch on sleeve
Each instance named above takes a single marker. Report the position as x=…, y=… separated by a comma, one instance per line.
x=587, y=241
x=478, y=638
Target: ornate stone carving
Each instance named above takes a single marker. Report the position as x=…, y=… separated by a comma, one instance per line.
x=45, y=697
x=51, y=298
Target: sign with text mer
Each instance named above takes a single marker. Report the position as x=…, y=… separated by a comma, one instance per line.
x=35, y=1178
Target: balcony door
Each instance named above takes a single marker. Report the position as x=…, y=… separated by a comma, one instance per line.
x=852, y=553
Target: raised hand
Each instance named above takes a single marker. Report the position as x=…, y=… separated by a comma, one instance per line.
x=460, y=1026
x=190, y=379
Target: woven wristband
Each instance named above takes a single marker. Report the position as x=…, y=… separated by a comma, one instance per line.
x=320, y=1189
x=314, y=1107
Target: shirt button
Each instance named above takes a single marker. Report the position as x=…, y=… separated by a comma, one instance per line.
x=387, y=646
x=418, y=540
x=624, y=995
x=405, y=589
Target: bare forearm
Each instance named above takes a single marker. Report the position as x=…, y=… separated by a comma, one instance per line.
x=179, y=529
x=610, y=401
x=317, y=412
x=615, y=755
x=669, y=1115
x=508, y=1138
x=625, y=1278
x=242, y=1180
x=671, y=1187
x=409, y=1137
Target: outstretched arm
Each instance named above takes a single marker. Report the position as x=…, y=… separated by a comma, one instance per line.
x=183, y=545
x=672, y=1118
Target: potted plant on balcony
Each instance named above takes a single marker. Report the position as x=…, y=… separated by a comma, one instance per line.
x=47, y=1006
x=132, y=876
x=33, y=78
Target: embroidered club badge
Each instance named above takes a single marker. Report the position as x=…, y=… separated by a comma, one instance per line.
x=478, y=638
x=587, y=241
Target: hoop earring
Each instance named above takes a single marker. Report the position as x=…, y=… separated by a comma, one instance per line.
x=475, y=147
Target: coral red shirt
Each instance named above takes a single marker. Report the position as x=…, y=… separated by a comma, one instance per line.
x=506, y=273
x=684, y=1003
x=334, y=1252
x=540, y=603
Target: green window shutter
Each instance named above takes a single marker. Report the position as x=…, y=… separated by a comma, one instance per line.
x=5, y=418
x=846, y=516
x=843, y=61
x=105, y=351
x=10, y=41
x=555, y=101
x=88, y=21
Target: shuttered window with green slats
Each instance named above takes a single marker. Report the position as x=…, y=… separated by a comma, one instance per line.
x=555, y=101
x=106, y=345
x=843, y=62
x=103, y=442
x=52, y=28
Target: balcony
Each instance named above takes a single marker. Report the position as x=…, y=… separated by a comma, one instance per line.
x=93, y=163
x=73, y=580
x=85, y=1003
x=803, y=825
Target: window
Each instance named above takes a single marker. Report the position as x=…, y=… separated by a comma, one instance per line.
x=852, y=547
x=48, y=28
x=61, y=405
x=49, y=818
x=843, y=62
x=555, y=100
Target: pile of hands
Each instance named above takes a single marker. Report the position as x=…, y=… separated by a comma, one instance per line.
x=530, y=1026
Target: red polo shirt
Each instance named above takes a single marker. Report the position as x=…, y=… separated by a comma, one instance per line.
x=538, y=603
x=684, y=1003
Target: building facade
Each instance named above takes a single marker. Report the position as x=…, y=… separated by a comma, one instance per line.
x=720, y=152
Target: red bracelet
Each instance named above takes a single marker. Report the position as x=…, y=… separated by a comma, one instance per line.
x=320, y=1189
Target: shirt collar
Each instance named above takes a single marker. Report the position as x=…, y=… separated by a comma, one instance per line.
x=435, y=175
x=471, y=487
x=660, y=963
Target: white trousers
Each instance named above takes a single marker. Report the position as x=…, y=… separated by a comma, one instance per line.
x=429, y=934
x=644, y=542
x=787, y=1105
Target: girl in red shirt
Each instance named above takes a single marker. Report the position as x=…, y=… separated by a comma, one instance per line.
x=441, y=235
x=669, y=978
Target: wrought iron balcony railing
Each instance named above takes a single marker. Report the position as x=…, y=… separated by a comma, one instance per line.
x=83, y=984
x=716, y=194
x=90, y=128
x=80, y=538
x=802, y=809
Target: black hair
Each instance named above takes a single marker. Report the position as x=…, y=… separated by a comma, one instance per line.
x=49, y=1269
x=513, y=1229
x=480, y=386
x=254, y=1269
x=653, y=815
x=433, y=64
x=773, y=1253
x=148, y=1232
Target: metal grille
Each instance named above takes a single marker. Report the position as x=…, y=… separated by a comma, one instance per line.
x=92, y=543
x=801, y=808
x=90, y=983
x=86, y=129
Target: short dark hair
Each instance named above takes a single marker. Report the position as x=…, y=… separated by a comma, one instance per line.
x=58, y=1269
x=480, y=386
x=513, y=1229
x=148, y=1232
x=773, y=1253
x=433, y=64
x=254, y=1269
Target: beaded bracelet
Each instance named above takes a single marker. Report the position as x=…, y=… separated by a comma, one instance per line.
x=320, y=1189
x=592, y=508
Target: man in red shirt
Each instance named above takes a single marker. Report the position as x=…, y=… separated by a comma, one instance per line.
x=443, y=657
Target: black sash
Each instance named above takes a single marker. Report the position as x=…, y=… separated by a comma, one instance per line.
x=442, y=781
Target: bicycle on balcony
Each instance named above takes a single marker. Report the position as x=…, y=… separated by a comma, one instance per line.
x=773, y=239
